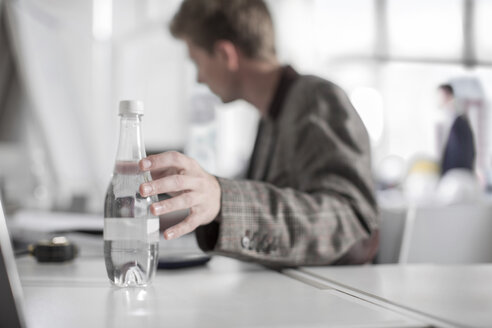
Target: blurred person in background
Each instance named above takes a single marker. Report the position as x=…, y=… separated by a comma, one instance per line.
x=455, y=136
x=308, y=198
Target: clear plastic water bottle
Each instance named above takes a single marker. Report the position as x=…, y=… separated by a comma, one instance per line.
x=131, y=232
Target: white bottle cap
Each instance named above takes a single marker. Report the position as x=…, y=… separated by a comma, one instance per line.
x=131, y=107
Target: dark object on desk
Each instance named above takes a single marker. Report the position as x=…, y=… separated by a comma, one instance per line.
x=181, y=261
x=58, y=249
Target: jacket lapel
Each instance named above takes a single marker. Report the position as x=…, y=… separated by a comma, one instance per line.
x=262, y=153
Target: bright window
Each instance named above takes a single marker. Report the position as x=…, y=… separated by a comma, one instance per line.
x=425, y=28
x=483, y=27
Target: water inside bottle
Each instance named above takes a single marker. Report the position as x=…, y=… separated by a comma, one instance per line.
x=131, y=232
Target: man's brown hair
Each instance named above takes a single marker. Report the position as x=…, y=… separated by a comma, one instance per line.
x=246, y=23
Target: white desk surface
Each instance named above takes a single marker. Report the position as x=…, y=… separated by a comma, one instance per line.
x=224, y=293
x=459, y=294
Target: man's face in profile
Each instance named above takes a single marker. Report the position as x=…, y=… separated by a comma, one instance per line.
x=212, y=70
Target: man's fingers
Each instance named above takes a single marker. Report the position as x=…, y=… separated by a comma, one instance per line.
x=186, y=226
x=181, y=202
x=160, y=173
x=173, y=183
x=170, y=159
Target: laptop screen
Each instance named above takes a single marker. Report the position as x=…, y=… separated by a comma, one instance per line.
x=10, y=288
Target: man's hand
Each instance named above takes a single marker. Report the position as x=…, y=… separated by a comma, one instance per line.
x=192, y=187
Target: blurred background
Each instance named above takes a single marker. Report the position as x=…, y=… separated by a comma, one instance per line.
x=64, y=65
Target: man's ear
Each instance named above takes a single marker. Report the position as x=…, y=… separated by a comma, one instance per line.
x=228, y=53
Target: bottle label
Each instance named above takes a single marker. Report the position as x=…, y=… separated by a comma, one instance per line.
x=144, y=229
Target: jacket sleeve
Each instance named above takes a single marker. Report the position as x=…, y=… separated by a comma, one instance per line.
x=330, y=212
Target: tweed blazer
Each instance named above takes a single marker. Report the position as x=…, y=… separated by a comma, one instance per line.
x=309, y=199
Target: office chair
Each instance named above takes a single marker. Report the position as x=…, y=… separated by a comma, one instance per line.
x=448, y=234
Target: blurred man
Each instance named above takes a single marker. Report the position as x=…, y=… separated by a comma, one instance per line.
x=308, y=198
x=456, y=136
